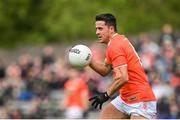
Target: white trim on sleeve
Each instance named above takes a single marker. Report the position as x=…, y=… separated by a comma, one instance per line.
x=122, y=65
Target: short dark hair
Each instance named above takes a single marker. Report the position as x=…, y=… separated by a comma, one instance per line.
x=108, y=18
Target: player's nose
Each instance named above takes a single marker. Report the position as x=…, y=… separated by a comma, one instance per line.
x=97, y=32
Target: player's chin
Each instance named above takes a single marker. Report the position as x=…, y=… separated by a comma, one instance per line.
x=101, y=40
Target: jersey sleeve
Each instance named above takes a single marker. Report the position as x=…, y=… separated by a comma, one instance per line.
x=117, y=56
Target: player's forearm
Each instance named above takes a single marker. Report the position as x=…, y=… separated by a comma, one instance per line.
x=116, y=85
x=99, y=68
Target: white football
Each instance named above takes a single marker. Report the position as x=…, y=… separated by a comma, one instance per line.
x=79, y=56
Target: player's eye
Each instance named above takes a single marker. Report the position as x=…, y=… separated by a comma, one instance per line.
x=99, y=28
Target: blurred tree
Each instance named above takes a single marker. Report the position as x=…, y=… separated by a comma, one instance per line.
x=47, y=21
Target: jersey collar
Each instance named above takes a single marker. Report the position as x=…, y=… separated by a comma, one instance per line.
x=112, y=38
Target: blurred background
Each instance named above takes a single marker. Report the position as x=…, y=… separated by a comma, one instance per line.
x=35, y=35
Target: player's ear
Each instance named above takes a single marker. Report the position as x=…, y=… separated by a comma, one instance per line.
x=112, y=28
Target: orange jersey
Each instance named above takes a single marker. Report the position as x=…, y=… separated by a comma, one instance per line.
x=121, y=52
x=79, y=89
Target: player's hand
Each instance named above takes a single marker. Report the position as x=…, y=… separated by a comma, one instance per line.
x=99, y=100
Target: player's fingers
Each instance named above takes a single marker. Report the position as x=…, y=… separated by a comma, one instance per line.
x=96, y=105
x=100, y=106
x=93, y=103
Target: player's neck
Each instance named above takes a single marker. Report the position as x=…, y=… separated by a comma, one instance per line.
x=113, y=35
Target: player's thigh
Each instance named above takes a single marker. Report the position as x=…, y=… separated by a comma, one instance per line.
x=110, y=112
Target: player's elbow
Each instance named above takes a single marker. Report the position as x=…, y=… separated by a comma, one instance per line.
x=103, y=74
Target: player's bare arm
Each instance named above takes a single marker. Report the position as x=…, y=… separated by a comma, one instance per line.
x=119, y=79
x=100, y=67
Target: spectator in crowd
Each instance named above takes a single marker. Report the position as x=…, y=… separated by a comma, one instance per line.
x=167, y=34
x=147, y=50
x=76, y=99
x=14, y=79
x=25, y=63
x=48, y=55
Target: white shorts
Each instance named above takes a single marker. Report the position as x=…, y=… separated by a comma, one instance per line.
x=74, y=112
x=145, y=109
